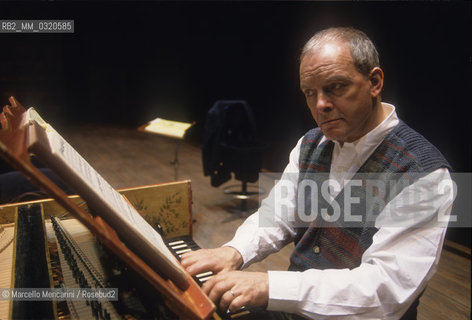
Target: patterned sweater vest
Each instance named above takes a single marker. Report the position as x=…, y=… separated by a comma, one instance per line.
x=401, y=158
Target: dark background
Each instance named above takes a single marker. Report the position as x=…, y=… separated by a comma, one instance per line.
x=129, y=62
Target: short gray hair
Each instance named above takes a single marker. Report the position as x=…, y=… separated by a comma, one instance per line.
x=363, y=52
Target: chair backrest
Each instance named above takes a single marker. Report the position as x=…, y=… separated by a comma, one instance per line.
x=229, y=124
x=239, y=127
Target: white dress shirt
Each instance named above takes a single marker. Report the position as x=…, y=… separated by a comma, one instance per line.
x=394, y=270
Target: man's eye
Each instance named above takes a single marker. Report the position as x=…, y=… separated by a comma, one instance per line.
x=335, y=88
x=308, y=92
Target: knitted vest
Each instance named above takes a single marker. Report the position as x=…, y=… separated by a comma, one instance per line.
x=401, y=158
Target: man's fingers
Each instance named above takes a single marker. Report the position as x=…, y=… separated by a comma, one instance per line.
x=218, y=289
x=233, y=301
x=188, y=259
x=197, y=261
x=215, y=260
x=190, y=263
x=208, y=286
x=225, y=300
x=195, y=268
x=238, y=303
x=235, y=289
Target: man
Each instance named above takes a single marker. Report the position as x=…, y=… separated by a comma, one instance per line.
x=375, y=268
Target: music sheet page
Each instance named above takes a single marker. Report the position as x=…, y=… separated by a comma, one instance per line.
x=123, y=210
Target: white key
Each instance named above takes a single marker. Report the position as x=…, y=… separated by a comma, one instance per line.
x=203, y=274
x=179, y=246
x=205, y=278
x=175, y=242
x=183, y=251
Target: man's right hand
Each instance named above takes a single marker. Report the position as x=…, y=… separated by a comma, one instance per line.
x=215, y=260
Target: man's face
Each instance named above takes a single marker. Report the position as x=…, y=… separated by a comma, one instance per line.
x=339, y=97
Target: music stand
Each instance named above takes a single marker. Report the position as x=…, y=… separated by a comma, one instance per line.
x=172, y=129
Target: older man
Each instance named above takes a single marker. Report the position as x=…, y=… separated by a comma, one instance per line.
x=375, y=268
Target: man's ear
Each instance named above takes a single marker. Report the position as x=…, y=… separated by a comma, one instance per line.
x=376, y=77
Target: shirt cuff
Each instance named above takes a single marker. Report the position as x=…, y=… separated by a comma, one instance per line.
x=247, y=255
x=284, y=290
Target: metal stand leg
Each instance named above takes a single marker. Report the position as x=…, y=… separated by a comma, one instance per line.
x=244, y=199
x=175, y=162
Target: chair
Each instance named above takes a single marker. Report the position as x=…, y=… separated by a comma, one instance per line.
x=231, y=146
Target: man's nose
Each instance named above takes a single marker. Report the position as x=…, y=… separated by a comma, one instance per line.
x=323, y=103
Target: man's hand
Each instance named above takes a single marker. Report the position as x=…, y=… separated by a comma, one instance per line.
x=237, y=289
x=216, y=260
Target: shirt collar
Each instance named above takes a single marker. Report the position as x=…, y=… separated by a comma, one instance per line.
x=365, y=145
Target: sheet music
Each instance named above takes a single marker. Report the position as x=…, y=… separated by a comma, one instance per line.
x=124, y=211
x=170, y=128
